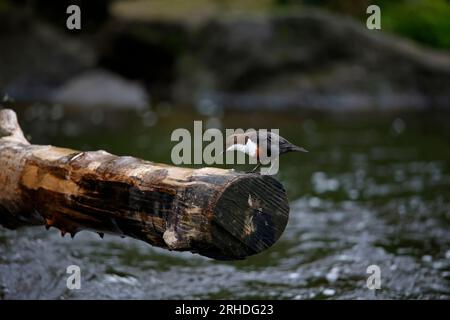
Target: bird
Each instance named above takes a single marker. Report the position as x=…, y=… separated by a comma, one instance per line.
x=260, y=145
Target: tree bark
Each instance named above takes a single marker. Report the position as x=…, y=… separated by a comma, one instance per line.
x=222, y=214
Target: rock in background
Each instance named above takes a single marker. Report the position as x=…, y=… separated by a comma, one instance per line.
x=35, y=57
x=296, y=61
x=110, y=91
x=311, y=60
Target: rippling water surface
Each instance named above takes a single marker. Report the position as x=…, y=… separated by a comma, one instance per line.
x=374, y=190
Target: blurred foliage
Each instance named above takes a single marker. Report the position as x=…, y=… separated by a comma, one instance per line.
x=426, y=21
x=4, y=6
x=351, y=7
x=183, y=10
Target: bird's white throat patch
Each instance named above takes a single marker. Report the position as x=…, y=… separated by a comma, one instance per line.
x=249, y=148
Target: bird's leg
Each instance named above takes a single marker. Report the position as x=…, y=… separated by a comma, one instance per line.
x=255, y=168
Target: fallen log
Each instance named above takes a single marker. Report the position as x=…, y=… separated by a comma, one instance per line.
x=222, y=214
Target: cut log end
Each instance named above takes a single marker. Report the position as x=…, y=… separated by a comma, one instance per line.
x=249, y=217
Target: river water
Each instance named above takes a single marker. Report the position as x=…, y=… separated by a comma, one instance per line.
x=373, y=190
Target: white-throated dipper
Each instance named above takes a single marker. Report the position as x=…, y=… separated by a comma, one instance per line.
x=260, y=145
